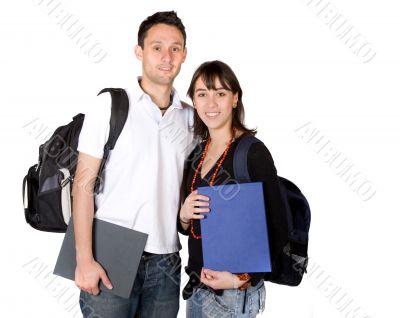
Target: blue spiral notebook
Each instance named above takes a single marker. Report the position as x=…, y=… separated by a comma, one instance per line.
x=234, y=233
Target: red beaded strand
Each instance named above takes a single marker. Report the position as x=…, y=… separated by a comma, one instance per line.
x=203, y=156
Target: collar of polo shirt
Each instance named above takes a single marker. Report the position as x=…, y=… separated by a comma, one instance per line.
x=138, y=94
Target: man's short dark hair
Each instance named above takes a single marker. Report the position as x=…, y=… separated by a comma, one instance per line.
x=165, y=17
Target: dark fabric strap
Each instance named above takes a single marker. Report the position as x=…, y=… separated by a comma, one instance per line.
x=240, y=169
x=119, y=114
x=242, y=174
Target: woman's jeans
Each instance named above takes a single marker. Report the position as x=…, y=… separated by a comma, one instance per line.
x=155, y=292
x=232, y=303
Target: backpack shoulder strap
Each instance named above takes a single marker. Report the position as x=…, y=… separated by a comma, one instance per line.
x=240, y=158
x=119, y=114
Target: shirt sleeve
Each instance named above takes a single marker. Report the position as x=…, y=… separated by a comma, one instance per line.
x=96, y=127
x=261, y=168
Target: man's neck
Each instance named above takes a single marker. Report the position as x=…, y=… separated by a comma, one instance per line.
x=159, y=94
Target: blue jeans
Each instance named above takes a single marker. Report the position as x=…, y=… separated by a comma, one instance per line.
x=155, y=292
x=232, y=303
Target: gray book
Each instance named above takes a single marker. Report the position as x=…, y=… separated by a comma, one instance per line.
x=117, y=249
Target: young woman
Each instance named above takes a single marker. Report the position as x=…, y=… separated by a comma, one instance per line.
x=217, y=98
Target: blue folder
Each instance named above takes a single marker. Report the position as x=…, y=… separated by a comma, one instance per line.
x=234, y=233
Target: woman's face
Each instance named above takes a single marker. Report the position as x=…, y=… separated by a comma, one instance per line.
x=214, y=107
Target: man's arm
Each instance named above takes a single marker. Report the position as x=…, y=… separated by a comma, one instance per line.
x=88, y=272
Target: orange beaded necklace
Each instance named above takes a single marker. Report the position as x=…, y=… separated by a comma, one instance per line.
x=197, y=237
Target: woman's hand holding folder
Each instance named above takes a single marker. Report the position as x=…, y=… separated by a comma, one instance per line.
x=193, y=207
x=220, y=280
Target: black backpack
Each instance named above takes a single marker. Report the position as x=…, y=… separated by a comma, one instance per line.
x=46, y=189
x=293, y=260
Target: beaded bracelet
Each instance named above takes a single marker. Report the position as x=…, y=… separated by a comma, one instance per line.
x=184, y=221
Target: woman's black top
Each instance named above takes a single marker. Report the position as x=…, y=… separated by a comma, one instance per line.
x=261, y=168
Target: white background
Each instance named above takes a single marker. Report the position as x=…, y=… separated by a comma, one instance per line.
x=293, y=69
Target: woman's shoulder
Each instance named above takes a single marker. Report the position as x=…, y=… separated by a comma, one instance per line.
x=257, y=149
x=259, y=158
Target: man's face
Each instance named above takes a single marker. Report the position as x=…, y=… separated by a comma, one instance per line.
x=162, y=55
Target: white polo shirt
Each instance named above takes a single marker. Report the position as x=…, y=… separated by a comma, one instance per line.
x=144, y=173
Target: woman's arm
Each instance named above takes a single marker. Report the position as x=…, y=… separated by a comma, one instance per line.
x=192, y=204
x=261, y=168
x=183, y=227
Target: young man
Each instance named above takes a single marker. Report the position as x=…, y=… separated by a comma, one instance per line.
x=142, y=178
